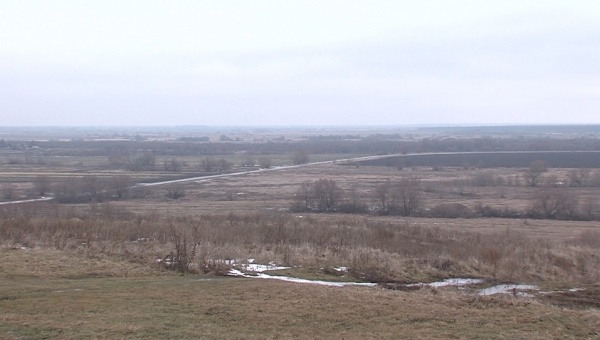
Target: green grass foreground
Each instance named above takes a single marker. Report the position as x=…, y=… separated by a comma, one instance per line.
x=160, y=305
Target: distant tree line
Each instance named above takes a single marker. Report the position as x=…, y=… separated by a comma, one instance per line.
x=323, y=145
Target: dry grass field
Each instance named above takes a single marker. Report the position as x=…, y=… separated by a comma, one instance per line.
x=108, y=299
x=155, y=265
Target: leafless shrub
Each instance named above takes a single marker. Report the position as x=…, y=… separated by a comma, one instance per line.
x=550, y=202
x=215, y=165
x=354, y=205
x=185, y=241
x=535, y=170
x=323, y=195
x=451, y=210
x=265, y=162
x=42, y=184
x=408, y=196
x=300, y=157
x=121, y=185
x=176, y=191
x=384, y=197
x=10, y=191
x=589, y=209
x=579, y=177
x=248, y=161
x=173, y=165
x=140, y=192
x=486, y=179
x=143, y=161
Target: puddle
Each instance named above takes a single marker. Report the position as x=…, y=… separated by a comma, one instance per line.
x=508, y=289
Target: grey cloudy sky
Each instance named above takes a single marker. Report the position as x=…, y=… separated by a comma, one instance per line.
x=273, y=62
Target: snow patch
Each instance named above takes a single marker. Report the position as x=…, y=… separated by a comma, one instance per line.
x=508, y=289
x=455, y=282
x=259, y=268
x=235, y=272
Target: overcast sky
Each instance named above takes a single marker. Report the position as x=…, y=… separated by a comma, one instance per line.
x=274, y=62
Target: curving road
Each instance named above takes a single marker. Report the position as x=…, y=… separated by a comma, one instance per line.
x=28, y=201
x=231, y=174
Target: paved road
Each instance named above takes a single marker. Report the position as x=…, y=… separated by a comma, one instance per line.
x=28, y=201
x=276, y=168
x=206, y=178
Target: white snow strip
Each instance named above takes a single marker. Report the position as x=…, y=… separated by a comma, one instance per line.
x=235, y=272
x=455, y=282
x=341, y=269
x=507, y=289
x=255, y=267
x=448, y=282
x=68, y=290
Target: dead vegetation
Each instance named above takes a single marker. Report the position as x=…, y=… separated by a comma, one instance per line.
x=390, y=225
x=376, y=251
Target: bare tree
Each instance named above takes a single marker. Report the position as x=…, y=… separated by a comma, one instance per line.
x=354, y=204
x=173, y=165
x=225, y=165
x=552, y=202
x=590, y=208
x=323, y=195
x=9, y=191
x=265, y=162
x=91, y=185
x=144, y=161
x=327, y=194
x=248, y=161
x=118, y=159
x=70, y=190
x=176, y=191
x=579, y=177
x=208, y=164
x=121, y=184
x=400, y=163
x=383, y=195
x=535, y=170
x=408, y=196
x=213, y=165
x=304, y=198
x=300, y=157
x=42, y=184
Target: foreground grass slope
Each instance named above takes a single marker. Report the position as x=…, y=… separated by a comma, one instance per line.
x=46, y=304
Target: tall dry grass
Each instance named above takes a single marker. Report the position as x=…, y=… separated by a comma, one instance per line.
x=374, y=251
